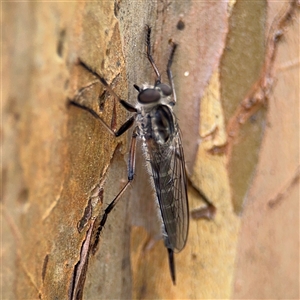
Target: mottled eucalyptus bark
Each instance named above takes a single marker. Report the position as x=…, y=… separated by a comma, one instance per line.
x=236, y=74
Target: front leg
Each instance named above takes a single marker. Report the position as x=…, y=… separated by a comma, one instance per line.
x=125, y=104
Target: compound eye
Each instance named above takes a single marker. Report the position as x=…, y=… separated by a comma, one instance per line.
x=148, y=96
x=167, y=91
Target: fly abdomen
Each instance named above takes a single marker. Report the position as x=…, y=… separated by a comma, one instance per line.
x=162, y=164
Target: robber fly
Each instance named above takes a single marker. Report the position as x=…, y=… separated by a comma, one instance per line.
x=157, y=127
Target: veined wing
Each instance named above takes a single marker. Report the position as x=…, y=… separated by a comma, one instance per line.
x=168, y=170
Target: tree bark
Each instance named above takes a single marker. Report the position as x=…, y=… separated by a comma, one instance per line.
x=60, y=167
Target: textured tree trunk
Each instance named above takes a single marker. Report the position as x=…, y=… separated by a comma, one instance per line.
x=237, y=86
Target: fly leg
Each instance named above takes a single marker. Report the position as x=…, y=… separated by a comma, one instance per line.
x=131, y=168
x=170, y=61
x=169, y=72
x=124, y=103
x=110, y=207
x=149, y=55
x=123, y=128
x=116, y=133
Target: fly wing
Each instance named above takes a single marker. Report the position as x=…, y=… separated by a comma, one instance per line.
x=168, y=171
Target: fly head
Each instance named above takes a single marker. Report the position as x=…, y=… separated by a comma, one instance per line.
x=153, y=94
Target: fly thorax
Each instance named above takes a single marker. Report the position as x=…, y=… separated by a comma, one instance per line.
x=162, y=124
